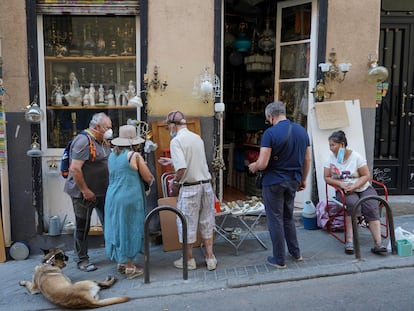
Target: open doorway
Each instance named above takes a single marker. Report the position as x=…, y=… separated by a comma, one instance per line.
x=248, y=86
x=267, y=51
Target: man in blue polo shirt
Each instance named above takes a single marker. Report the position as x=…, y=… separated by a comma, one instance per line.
x=285, y=158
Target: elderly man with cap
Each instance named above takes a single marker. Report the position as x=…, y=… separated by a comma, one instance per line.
x=196, y=195
x=125, y=202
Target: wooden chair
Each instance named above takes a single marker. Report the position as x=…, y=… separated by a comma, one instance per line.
x=334, y=214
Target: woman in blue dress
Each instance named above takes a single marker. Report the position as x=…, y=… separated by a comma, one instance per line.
x=125, y=202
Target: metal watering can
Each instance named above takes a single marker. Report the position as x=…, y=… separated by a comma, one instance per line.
x=55, y=226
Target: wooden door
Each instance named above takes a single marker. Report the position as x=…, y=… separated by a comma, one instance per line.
x=162, y=138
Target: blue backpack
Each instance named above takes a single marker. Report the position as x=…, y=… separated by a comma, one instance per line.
x=65, y=159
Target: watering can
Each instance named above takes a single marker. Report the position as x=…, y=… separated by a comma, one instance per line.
x=55, y=226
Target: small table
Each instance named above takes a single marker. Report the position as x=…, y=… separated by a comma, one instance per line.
x=247, y=229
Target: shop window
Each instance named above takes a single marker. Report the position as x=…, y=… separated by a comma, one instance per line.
x=90, y=65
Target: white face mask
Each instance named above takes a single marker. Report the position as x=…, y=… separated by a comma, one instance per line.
x=108, y=134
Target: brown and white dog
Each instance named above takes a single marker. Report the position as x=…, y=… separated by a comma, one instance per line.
x=49, y=280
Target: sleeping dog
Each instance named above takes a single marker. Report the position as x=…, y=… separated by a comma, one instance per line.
x=49, y=280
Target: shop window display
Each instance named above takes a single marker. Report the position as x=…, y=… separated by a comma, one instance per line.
x=89, y=66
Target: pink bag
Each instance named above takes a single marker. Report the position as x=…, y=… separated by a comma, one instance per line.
x=322, y=216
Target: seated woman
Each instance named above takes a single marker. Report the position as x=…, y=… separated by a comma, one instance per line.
x=348, y=170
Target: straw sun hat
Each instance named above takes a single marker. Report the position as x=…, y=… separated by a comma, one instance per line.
x=127, y=137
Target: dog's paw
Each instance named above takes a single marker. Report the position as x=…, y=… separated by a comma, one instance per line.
x=22, y=283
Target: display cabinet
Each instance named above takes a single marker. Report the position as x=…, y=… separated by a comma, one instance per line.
x=90, y=65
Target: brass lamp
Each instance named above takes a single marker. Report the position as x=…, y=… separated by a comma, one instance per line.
x=332, y=72
x=320, y=92
x=35, y=151
x=376, y=74
x=155, y=82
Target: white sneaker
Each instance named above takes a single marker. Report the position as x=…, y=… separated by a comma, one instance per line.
x=191, y=264
x=211, y=263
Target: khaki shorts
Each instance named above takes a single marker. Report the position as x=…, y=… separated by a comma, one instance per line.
x=197, y=204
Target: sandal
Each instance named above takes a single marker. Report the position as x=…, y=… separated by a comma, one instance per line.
x=121, y=268
x=349, y=248
x=378, y=249
x=133, y=273
x=87, y=267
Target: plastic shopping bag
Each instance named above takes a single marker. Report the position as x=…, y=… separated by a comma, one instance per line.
x=322, y=216
x=401, y=234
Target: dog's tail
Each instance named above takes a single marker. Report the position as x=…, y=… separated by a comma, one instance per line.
x=110, y=301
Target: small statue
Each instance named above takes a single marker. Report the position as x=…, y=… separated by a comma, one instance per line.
x=91, y=94
x=61, y=50
x=74, y=97
x=58, y=95
x=110, y=98
x=101, y=94
x=124, y=100
x=57, y=92
x=131, y=91
x=86, y=97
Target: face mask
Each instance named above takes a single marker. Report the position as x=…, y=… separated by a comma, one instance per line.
x=341, y=155
x=172, y=134
x=108, y=134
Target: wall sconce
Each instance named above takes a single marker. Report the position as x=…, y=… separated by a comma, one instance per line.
x=34, y=151
x=320, y=92
x=332, y=72
x=33, y=112
x=376, y=74
x=53, y=169
x=155, y=82
x=207, y=86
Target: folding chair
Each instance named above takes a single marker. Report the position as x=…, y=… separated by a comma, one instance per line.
x=334, y=214
x=165, y=183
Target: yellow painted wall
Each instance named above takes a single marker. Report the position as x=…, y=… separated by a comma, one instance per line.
x=353, y=31
x=180, y=42
x=14, y=53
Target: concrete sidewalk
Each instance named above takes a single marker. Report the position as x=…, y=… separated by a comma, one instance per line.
x=323, y=256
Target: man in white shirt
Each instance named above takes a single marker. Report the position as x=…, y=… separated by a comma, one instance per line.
x=193, y=181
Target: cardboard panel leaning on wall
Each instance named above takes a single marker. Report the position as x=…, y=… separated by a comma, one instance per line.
x=354, y=134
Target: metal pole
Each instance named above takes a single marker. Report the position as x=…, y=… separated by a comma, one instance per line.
x=355, y=225
x=146, y=240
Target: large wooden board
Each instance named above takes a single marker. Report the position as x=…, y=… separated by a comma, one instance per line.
x=169, y=226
